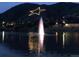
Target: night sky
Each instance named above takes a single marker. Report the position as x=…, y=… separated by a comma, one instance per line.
x=7, y=5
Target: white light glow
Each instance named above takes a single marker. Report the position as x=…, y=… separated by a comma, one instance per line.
x=66, y=25
x=56, y=23
x=41, y=35
x=64, y=22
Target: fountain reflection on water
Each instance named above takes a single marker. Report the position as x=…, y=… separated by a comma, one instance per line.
x=63, y=39
x=3, y=36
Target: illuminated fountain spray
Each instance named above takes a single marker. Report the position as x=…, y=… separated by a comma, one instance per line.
x=3, y=34
x=41, y=36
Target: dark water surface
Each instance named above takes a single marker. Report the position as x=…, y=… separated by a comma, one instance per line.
x=16, y=44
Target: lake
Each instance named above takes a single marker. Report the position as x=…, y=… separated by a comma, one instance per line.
x=56, y=44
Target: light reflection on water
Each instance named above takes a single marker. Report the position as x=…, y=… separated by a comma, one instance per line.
x=3, y=35
x=16, y=43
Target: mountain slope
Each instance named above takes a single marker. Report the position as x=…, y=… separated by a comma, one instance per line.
x=55, y=12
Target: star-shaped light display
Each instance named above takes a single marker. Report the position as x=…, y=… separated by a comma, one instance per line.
x=36, y=11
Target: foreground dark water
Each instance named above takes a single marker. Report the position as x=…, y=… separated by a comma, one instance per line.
x=15, y=44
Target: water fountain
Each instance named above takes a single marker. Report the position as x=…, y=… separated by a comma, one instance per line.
x=41, y=37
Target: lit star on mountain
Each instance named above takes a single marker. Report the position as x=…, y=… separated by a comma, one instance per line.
x=36, y=11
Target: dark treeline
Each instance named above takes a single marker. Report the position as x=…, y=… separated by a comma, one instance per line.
x=18, y=15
